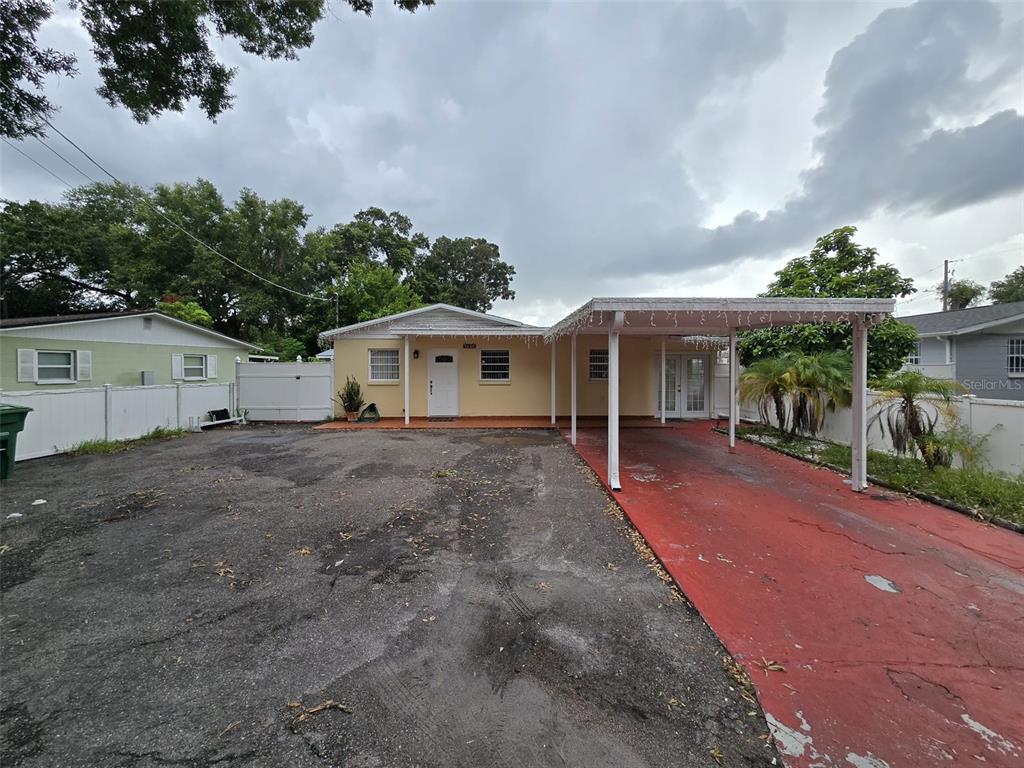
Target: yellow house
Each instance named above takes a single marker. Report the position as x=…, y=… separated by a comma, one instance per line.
x=617, y=357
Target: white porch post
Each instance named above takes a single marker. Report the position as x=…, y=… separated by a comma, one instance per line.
x=406, y=375
x=572, y=386
x=733, y=409
x=554, y=389
x=662, y=379
x=858, y=438
x=613, y=403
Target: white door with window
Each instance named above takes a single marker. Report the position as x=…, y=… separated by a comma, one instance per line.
x=442, y=382
x=686, y=386
x=695, y=380
x=673, y=387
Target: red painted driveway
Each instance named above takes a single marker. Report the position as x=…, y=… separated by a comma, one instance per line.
x=900, y=624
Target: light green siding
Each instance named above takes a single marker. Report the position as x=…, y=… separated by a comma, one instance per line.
x=117, y=363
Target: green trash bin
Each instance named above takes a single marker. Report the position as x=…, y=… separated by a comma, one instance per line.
x=12, y=421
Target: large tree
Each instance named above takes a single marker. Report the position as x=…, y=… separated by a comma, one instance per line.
x=154, y=55
x=466, y=272
x=109, y=247
x=1010, y=288
x=837, y=267
x=962, y=294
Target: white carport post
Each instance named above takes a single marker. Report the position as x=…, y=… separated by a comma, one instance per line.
x=554, y=389
x=662, y=379
x=613, y=403
x=405, y=379
x=858, y=440
x=572, y=386
x=733, y=409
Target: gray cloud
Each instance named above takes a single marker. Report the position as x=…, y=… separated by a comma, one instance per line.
x=553, y=129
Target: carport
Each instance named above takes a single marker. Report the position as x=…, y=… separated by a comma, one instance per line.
x=623, y=318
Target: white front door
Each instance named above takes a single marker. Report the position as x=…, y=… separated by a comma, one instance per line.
x=695, y=386
x=442, y=382
x=673, y=387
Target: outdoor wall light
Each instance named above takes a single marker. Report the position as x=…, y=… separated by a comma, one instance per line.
x=415, y=354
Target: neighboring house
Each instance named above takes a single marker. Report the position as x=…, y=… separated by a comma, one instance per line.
x=981, y=347
x=119, y=348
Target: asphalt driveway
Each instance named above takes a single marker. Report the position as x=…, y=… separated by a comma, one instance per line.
x=279, y=596
x=880, y=631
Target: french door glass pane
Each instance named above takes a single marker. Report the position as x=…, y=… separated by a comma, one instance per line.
x=695, y=384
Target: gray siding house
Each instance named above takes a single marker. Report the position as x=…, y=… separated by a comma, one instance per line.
x=981, y=347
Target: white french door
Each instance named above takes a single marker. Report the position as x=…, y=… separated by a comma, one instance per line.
x=686, y=386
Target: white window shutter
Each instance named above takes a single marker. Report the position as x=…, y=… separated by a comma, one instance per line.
x=84, y=358
x=26, y=365
x=211, y=366
x=177, y=366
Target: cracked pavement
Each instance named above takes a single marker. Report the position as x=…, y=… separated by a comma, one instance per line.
x=899, y=625
x=270, y=596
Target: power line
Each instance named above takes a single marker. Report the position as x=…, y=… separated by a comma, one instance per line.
x=176, y=225
x=58, y=154
x=21, y=152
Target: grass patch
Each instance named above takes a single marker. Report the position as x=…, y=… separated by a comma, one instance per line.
x=100, y=446
x=991, y=493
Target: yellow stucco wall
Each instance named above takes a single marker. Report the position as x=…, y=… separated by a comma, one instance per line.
x=529, y=391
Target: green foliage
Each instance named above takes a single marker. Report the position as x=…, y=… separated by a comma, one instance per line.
x=371, y=290
x=153, y=57
x=836, y=267
x=24, y=68
x=189, y=311
x=988, y=492
x=909, y=407
x=351, y=397
x=1010, y=288
x=811, y=384
x=963, y=293
x=106, y=248
x=100, y=446
x=466, y=272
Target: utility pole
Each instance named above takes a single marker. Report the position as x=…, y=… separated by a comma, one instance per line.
x=945, y=285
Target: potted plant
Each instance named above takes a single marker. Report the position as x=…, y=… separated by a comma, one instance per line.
x=351, y=398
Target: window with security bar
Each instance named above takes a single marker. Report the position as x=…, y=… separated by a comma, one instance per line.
x=495, y=365
x=384, y=365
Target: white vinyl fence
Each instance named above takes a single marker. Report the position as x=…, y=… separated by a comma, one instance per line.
x=60, y=419
x=1002, y=421
x=285, y=391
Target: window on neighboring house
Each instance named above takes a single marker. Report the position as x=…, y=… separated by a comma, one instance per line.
x=55, y=367
x=599, y=365
x=194, y=367
x=1015, y=356
x=723, y=357
x=495, y=365
x=384, y=365
x=914, y=358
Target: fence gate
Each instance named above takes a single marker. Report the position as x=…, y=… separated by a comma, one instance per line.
x=285, y=391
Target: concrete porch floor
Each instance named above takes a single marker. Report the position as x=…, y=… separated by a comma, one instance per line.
x=879, y=631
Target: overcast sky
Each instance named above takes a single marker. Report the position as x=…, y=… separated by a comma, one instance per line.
x=615, y=149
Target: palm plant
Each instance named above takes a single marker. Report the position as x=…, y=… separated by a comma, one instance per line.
x=819, y=382
x=767, y=383
x=910, y=405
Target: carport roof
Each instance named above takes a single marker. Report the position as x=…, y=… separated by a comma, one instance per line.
x=714, y=316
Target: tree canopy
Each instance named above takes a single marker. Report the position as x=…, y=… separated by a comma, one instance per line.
x=153, y=56
x=837, y=267
x=107, y=247
x=1010, y=288
x=962, y=294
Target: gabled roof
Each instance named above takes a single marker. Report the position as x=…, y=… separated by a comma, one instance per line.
x=961, y=321
x=436, y=319
x=10, y=324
